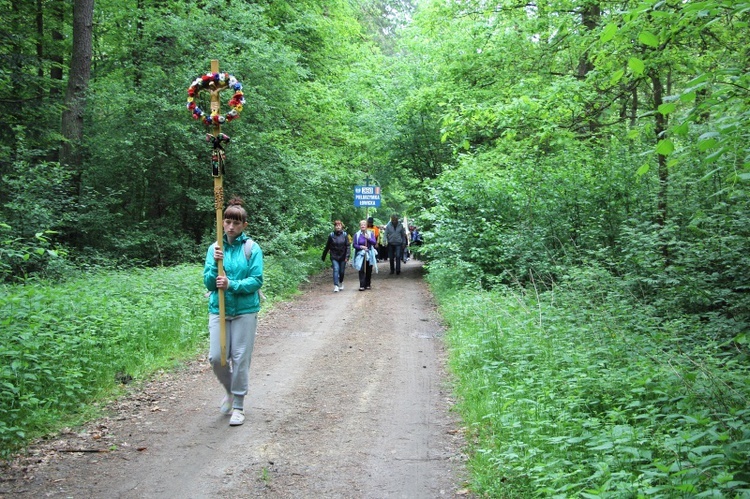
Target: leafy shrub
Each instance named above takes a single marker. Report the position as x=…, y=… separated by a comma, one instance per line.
x=582, y=391
x=282, y=274
x=64, y=345
x=22, y=257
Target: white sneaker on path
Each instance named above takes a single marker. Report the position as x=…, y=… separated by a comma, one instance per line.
x=238, y=417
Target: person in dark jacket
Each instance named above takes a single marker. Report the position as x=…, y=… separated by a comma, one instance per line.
x=338, y=245
x=397, y=240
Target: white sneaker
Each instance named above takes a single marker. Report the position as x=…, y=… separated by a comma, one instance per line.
x=238, y=417
x=226, y=404
x=341, y=286
x=335, y=289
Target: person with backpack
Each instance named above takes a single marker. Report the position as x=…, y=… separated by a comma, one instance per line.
x=397, y=240
x=243, y=268
x=338, y=245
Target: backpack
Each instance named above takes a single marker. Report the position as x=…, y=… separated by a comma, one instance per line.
x=248, y=247
x=343, y=232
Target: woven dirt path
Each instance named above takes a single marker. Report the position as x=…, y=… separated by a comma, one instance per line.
x=348, y=399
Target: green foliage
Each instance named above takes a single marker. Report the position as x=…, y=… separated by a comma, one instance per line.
x=599, y=160
x=707, y=108
x=582, y=391
x=557, y=165
x=532, y=217
x=21, y=257
x=60, y=354
x=283, y=274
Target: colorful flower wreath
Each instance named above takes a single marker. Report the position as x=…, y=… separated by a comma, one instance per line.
x=211, y=81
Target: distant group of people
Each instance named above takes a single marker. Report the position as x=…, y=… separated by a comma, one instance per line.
x=371, y=244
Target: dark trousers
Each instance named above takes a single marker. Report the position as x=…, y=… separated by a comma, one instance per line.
x=394, y=253
x=382, y=252
x=365, y=275
x=339, y=267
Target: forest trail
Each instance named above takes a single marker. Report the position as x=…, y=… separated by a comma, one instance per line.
x=348, y=399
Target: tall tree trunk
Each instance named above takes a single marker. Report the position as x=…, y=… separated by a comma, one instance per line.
x=56, y=53
x=75, y=95
x=52, y=51
x=590, y=18
x=661, y=126
x=40, y=37
x=140, y=12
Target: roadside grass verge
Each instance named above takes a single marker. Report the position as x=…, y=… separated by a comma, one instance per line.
x=580, y=392
x=64, y=347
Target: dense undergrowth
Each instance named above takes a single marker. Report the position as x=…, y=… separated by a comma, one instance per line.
x=65, y=347
x=580, y=391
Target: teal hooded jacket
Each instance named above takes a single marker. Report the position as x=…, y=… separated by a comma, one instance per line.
x=245, y=278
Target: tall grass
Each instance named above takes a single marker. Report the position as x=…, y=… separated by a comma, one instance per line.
x=580, y=392
x=65, y=346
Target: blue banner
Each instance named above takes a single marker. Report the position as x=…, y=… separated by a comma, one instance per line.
x=366, y=195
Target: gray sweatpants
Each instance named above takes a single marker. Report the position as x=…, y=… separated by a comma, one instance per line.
x=240, y=333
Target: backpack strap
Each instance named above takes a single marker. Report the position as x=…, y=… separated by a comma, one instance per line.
x=248, y=247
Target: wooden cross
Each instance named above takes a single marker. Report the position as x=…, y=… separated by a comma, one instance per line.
x=219, y=206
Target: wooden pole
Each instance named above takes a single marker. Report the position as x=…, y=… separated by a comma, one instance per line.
x=219, y=206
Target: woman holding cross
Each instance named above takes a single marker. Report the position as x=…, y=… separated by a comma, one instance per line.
x=243, y=268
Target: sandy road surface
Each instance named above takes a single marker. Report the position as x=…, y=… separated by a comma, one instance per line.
x=348, y=399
